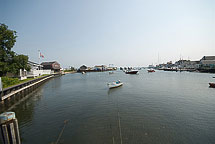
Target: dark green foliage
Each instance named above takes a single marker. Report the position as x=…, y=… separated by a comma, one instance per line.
x=7, y=38
x=72, y=69
x=9, y=60
x=9, y=81
x=7, y=41
x=19, y=62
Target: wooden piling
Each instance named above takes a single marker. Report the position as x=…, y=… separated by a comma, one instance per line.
x=16, y=129
x=1, y=136
x=12, y=133
x=5, y=134
x=9, y=128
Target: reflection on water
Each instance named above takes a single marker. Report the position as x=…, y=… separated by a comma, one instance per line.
x=113, y=90
x=17, y=100
x=163, y=107
x=24, y=109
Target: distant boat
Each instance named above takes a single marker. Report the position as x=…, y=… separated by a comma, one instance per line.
x=115, y=84
x=151, y=70
x=212, y=85
x=83, y=72
x=170, y=69
x=111, y=72
x=132, y=72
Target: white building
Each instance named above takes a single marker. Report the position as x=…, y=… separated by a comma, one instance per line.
x=37, y=70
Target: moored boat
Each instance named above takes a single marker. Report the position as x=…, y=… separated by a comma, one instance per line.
x=212, y=85
x=151, y=70
x=115, y=84
x=170, y=69
x=132, y=72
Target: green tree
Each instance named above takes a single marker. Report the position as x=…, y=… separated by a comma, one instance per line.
x=9, y=60
x=19, y=62
x=72, y=68
x=7, y=41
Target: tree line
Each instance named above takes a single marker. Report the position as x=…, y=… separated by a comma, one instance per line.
x=10, y=62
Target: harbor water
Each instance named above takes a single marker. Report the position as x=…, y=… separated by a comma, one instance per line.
x=150, y=108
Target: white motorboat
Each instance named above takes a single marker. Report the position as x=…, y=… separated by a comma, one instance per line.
x=115, y=84
x=83, y=72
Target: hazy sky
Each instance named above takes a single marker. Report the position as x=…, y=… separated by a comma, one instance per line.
x=119, y=32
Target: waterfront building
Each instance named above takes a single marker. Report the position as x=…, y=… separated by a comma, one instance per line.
x=54, y=66
x=100, y=67
x=90, y=68
x=37, y=70
x=207, y=64
x=181, y=63
x=160, y=66
x=151, y=66
x=83, y=68
x=34, y=66
x=170, y=65
x=187, y=64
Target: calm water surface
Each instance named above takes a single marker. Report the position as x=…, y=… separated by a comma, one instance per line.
x=151, y=108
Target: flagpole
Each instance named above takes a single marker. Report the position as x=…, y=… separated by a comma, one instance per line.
x=39, y=58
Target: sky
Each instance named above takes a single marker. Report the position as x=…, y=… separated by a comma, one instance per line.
x=119, y=32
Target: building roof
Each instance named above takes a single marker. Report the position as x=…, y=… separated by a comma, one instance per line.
x=51, y=65
x=30, y=62
x=83, y=67
x=48, y=63
x=208, y=58
x=33, y=63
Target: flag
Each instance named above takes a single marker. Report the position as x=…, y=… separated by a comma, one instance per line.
x=42, y=56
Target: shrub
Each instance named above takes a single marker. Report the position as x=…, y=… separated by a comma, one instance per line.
x=9, y=81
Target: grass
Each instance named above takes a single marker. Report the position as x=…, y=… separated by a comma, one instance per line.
x=69, y=70
x=8, y=82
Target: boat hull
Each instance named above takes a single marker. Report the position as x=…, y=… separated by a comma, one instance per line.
x=207, y=71
x=170, y=70
x=114, y=85
x=212, y=85
x=131, y=72
x=150, y=71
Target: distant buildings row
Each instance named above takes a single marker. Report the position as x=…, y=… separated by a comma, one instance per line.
x=206, y=64
x=96, y=68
